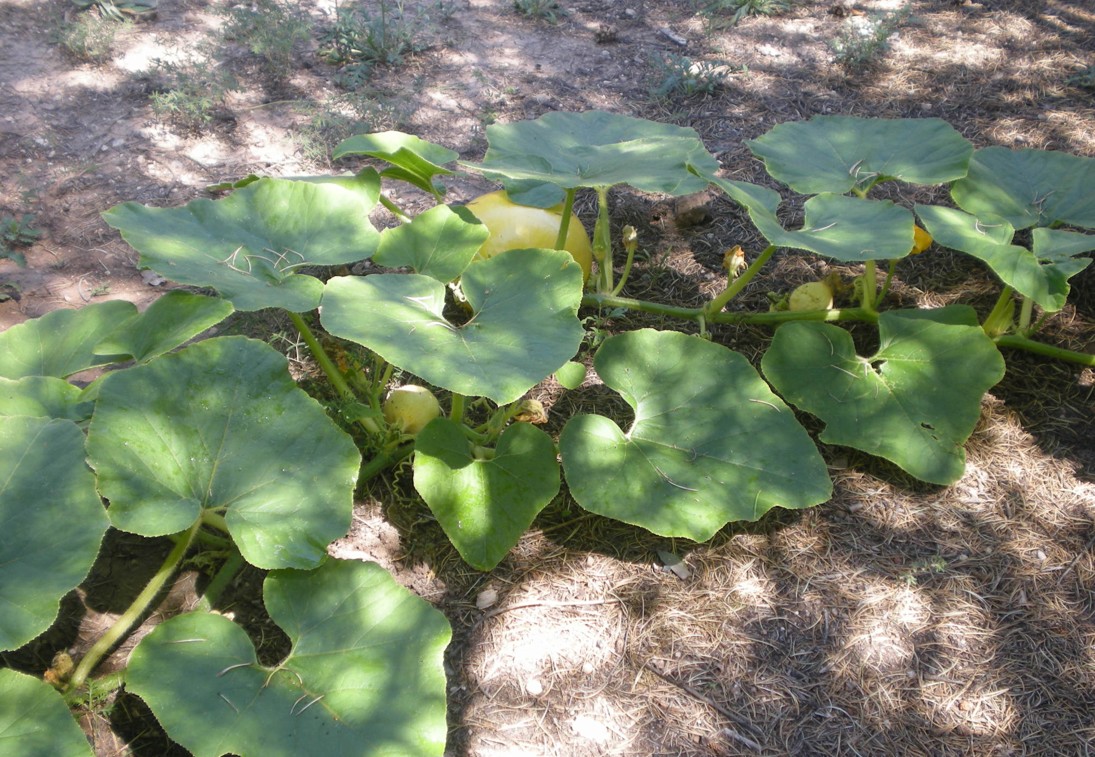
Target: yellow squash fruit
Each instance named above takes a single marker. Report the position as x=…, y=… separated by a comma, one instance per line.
x=922, y=240
x=515, y=227
x=817, y=295
x=410, y=408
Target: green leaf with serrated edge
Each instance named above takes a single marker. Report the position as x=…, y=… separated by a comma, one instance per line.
x=35, y=721
x=364, y=675
x=412, y=159
x=593, y=149
x=1041, y=275
x=62, y=343
x=914, y=402
x=524, y=322
x=839, y=153
x=849, y=229
x=484, y=506
x=710, y=442
x=51, y=519
x=170, y=321
x=571, y=375
x=248, y=244
x=222, y=427
x=1029, y=187
x=439, y=243
x=43, y=397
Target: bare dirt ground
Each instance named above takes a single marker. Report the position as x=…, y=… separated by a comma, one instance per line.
x=898, y=618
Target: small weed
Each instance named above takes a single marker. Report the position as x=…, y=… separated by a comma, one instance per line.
x=926, y=567
x=271, y=29
x=548, y=10
x=341, y=117
x=188, y=93
x=865, y=39
x=359, y=41
x=90, y=38
x=682, y=77
x=1084, y=79
x=14, y=233
x=720, y=14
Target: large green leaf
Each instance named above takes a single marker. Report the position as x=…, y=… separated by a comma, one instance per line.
x=51, y=522
x=248, y=245
x=1041, y=274
x=1029, y=187
x=849, y=229
x=364, y=676
x=485, y=502
x=914, y=402
x=439, y=243
x=840, y=153
x=412, y=159
x=594, y=149
x=43, y=397
x=34, y=720
x=710, y=442
x=221, y=428
x=62, y=342
x=168, y=322
x=524, y=323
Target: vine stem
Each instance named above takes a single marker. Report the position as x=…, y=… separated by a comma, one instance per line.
x=457, y=412
x=1018, y=342
x=334, y=375
x=140, y=605
x=1026, y=311
x=716, y=305
x=221, y=580
x=870, y=285
x=602, y=243
x=395, y=209
x=698, y=314
x=564, y=226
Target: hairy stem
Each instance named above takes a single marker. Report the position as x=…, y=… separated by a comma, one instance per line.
x=602, y=243
x=326, y=364
x=870, y=286
x=135, y=611
x=564, y=227
x=1017, y=342
x=698, y=314
x=395, y=209
x=716, y=305
x=457, y=412
x=221, y=580
x=334, y=375
x=1026, y=311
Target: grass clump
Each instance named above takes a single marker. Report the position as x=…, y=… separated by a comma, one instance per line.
x=360, y=41
x=720, y=14
x=16, y=232
x=188, y=93
x=680, y=76
x=865, y=39
x=549, y=10
x=90, y=37
x=270, y=29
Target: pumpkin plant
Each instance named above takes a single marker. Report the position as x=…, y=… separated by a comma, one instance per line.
x=212, y=442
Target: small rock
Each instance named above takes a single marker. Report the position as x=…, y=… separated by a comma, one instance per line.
x=673, y=37
x=630, y=12
x=152, y=278
x=486, y=598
